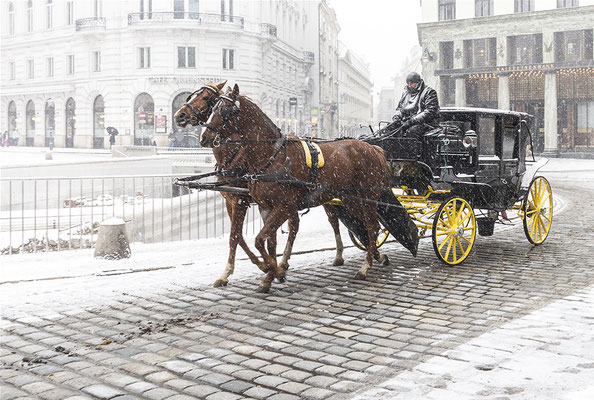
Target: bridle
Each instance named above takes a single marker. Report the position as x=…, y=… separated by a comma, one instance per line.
x=210, y=102
x=227, y=113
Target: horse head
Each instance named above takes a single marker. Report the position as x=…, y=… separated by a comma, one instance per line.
x=198, y=105
x=224, y=120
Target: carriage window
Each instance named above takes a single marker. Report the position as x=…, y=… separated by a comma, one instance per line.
x=509, y=139
x=486, y=132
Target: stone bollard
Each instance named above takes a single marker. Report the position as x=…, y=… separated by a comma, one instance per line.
x=112, y=241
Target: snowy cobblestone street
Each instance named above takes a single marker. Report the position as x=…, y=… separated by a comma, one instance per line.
x=512, y=322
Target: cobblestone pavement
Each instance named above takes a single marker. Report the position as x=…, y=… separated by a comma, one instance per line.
x=320, y=335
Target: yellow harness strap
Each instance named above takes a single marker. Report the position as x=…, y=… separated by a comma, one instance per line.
x=308, y=154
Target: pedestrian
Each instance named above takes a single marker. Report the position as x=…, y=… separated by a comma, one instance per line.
x=152, y=141
x=171, y=138
x=113, y=132
x=5, y=139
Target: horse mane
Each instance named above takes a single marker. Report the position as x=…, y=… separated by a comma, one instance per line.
x=253, y=107
x=213, y=85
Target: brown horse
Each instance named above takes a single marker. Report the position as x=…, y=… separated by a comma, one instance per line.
x=354, y=171
x=228, y=157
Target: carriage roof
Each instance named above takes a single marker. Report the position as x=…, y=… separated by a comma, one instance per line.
x=484, y=111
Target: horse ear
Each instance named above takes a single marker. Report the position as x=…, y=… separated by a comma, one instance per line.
x=235, y=90
x=221, y=85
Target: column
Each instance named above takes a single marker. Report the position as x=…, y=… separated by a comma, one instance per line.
x=550, y=115
x=503, y=93
x=460, y=92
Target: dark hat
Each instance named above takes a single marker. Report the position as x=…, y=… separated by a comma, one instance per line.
x=413, y=77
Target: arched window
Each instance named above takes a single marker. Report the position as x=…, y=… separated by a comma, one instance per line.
x=29, y=16
x=49, y=5
x=98, y=123
x=11, y=19
x=144, y=119
x=12, y=126
x=190, y=135
x=50, y=122
x=70, y=116
x=30, y=120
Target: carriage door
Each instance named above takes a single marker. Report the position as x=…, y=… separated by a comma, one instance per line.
x=489, y=161
x=510, y=146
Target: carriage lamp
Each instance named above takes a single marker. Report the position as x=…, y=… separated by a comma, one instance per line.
x=469, y=139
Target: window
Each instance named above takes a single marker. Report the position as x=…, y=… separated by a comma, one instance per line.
x=573, y=46
x=447, y=10
x=480, y=53
x=446, y=55
x=49, y=5
x=71, y=64
x=69, y=12
x=144, y=57
x=29, y=16
x=521, y=6
x=483, y=8
x=146, y=9
x=186, y=57
x=11, y=71
x=97, y=8
x=226, y=13
x=50, y=66
x=31, y=69
x=193, y=9
x=525, y=49
x=96, y=61
x=567, y=3
x=178, y=9
x=228, y=59
x=11, y=19
x=486, y=131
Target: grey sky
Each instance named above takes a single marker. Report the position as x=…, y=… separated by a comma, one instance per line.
x=381, y=31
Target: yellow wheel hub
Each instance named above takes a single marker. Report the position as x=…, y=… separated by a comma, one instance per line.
x=454, y=231
x=538, y=211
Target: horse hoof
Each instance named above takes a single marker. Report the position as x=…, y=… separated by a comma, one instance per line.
x=338, y=261
x=263, y=289
x=220, y=282
x=360, y=276
x=384, y=260
x=284, y=265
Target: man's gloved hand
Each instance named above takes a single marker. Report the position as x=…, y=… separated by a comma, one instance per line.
x=397, y=119
x=407, y=124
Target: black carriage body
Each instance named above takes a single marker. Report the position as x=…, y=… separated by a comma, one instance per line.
x=478, y=154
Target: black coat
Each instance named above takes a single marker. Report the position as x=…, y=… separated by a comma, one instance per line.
x=421, y=107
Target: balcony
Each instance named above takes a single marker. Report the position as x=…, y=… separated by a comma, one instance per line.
x=309, y=57
x=153, y=18
x=268, y=30
x=90, y=24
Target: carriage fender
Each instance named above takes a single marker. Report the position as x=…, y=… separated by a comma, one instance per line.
x=529, y=175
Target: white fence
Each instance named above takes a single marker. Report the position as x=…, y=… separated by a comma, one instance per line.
x=53, y=214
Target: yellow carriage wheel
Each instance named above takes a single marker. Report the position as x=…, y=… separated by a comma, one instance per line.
x=538, y=211
x=454, y=231
x=382, y=236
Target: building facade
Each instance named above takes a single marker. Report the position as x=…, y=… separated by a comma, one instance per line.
x=526, y=55
x=71, y=68
x=355, y=107
x=328, y=71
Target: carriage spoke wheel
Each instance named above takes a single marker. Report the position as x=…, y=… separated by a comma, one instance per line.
x=538, y=211
x=454, y=231
x=382, y=236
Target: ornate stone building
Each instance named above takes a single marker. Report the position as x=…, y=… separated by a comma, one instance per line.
x=71, y=68
x=526, y=55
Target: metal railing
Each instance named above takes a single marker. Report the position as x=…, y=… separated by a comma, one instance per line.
x=54, y=214
x=199, y=18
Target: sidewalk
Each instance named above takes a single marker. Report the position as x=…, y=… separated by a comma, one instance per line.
x=548, y=354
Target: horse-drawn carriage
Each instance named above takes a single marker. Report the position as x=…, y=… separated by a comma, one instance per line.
x=466, y=174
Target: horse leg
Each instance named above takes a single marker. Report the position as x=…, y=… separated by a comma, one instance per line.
x=270, y=241
x=236, y=209
x=274, y=220
x=333, y=219
x=370, y=220
x=293, y=229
